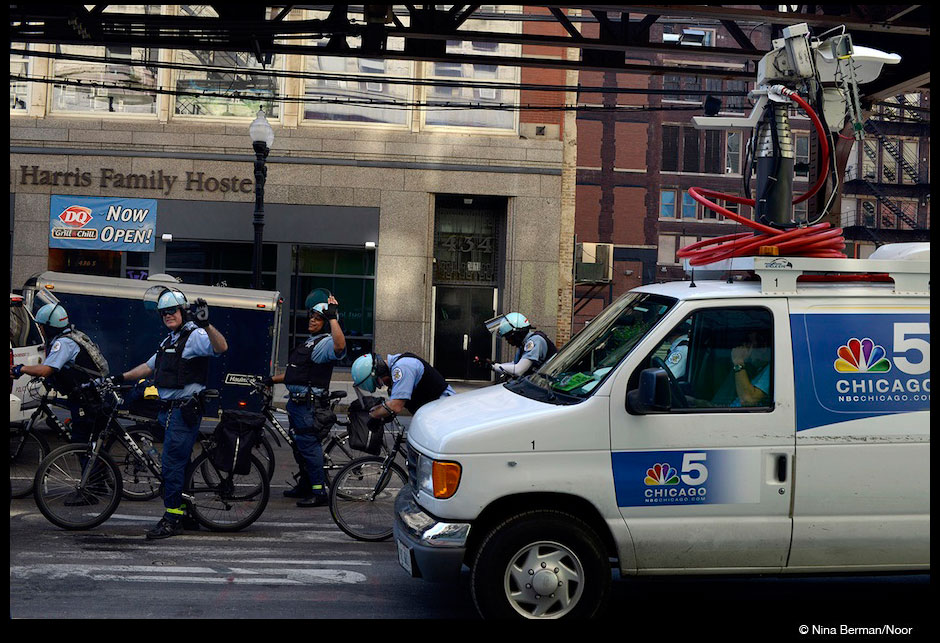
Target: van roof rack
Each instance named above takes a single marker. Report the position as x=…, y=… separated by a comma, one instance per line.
x=907, y=266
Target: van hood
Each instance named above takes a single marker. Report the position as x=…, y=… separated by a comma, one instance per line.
x=482, y=421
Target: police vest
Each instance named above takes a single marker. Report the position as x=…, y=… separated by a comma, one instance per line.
x=84, y=369
x=304, y=371
x=429, y=388
x=549, y=350
x=172, y=371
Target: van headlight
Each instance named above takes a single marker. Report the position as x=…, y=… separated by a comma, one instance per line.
x=437, y=478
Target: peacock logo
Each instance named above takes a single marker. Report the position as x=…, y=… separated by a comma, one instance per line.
x=862, y=356
x=661, y=474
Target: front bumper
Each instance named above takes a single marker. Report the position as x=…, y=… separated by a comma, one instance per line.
x=428, y=548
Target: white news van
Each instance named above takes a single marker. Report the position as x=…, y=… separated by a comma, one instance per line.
x=794, y=440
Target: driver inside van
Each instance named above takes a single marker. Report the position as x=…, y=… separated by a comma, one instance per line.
x=750, y=367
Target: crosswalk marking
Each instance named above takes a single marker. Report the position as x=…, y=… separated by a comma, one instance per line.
x=175, y=574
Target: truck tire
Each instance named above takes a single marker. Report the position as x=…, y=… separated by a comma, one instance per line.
x=541, y=564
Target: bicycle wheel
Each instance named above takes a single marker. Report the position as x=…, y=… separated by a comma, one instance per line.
x=265, y=454
x=27, y=449
x=64, y=501
x=138, y=481
x=361, y=506
x=227, y=502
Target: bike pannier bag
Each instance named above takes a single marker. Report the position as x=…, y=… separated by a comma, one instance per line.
x=365, y=433
x=235, y=436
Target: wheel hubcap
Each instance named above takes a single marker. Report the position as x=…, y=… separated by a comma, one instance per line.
x=544, y=580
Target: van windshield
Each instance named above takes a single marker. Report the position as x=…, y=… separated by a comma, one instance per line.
x=584, y=362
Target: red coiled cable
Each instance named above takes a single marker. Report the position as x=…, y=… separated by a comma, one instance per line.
x=818, y=240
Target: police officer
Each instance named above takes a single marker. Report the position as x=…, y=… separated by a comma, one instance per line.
x=67, y=365
x=180, y=369
x=309, y=369
x=410, y=380
x=678, y=354
x=533, y=347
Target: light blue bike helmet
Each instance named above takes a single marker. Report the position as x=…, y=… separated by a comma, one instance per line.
x=366, y=371
x=513, y=322
x=53, y=315
x=172, y=299
x=319, y=309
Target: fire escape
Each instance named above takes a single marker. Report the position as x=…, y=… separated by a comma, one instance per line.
x=908, y=122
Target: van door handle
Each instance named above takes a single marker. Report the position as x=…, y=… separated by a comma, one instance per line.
x=781, y=468
x=466, y=341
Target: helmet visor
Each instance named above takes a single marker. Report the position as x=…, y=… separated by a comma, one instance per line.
x=492, y=325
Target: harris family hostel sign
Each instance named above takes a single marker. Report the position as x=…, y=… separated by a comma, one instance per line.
x=102, y=223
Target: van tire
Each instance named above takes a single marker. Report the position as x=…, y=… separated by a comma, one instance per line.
x=576, y=563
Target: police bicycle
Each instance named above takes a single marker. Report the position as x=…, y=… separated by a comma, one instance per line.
x=79, y=486
x=28, y=445
x=362, y=496
x=336, y=449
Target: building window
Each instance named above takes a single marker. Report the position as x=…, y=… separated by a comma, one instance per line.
x=689, y=206
x=670, y=148
x=868, y=213
x=889, y=165
x=105, y=87
x=733, y=153
x=220, y=263
x=800, y=212
x=122, y=83
x=347, y=274
x=667, y=204
x=666, y=250
x=690, y=151
x=869, y=160
x=225, y=72
x=801, y=156
x=713, y=149
x=357, y=90
x=19, y=89
x=671, y=84
x=444, y=103
x=737, y=103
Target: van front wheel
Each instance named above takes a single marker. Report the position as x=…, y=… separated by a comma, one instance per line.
x=541, y=564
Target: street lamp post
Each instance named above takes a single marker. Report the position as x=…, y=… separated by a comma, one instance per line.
x=262, y=138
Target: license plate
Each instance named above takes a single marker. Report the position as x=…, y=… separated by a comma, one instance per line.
x=404, y=557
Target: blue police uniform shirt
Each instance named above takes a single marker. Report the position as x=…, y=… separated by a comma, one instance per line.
x=322, y=353
x=533, y=348
x=761, y=381
x=62, y=353
x=198, y=345
x=406, y=373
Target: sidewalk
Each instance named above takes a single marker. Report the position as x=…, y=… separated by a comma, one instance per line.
x=341, y=381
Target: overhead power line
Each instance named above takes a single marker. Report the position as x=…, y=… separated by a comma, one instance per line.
x=392, y=80
x=363, y=102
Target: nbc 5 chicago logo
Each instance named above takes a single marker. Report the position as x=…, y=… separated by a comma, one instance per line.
x=910, y=356
x=662, y=480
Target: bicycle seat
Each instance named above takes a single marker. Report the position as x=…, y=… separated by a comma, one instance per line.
x=210, y=393
x=337, y=395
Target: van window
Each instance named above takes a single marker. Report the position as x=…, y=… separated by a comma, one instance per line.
x=592, y=354
x=718, y=358
x=23, y=331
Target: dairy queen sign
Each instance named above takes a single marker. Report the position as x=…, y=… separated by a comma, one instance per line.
x=102, y=223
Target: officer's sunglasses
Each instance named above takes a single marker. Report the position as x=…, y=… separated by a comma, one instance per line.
x=168, y=311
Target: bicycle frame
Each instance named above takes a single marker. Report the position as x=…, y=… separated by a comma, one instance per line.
x=389, y=459
x=45, y=408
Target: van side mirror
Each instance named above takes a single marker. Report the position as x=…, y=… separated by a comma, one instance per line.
x=653, y=396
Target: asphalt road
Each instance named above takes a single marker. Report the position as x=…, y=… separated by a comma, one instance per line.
x=295, y=563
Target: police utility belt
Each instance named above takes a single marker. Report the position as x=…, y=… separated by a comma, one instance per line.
x=308, y=397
